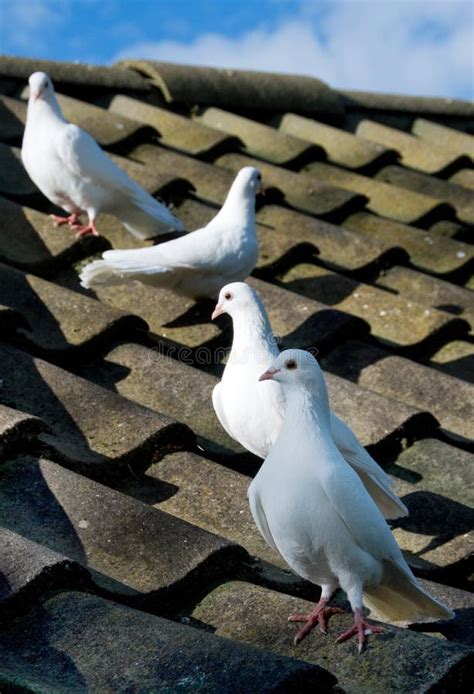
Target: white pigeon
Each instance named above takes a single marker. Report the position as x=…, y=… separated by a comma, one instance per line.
x=72, y=171
x=252, y=412
x=312, y=508
x=198, y=264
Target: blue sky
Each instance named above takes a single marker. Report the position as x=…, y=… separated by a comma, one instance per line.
x=405, y=46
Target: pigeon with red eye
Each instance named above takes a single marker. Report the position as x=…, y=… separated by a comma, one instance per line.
x=72, y=171
x=252, y=412
x=313, y=509
x=198, y=264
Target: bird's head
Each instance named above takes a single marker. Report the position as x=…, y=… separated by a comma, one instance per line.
x=235, y=297
x=250, y=179
x=41, y=86
x=295, y=367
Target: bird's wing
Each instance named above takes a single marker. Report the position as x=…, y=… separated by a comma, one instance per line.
x=259, y=516
x=82, y=156
x=353, y=504
x=374, y=478
x=219, y=410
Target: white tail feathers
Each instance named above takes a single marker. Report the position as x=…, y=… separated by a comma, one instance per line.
x=146, y=218
x=400, y=598
x=100, y=273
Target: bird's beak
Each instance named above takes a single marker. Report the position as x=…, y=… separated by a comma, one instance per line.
x=38, y=95
x=261, y=190
x=218, y=311
x=268, y=375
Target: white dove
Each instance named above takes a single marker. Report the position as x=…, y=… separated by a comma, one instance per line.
x=313, y=509
x=252, y=412
x=72, y=171
x=198, y=264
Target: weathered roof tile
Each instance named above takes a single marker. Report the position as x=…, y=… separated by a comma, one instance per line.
x=16, y=428
x=81, y=436
x=435, y=481
x=459, y=197
x=129, y=547
x=173, y=129
x=62, y=323
x=430, y=290
x=260, y=140
x=393, y=319
x=428, y=252
x=234, y=609
x=465, y=178
x=342, y=148
x=456, y=358
x=244, y=89
x=449, y=399
x=386, y=200
x=414, y=151
x=302, y=191
x=337, y=247
x=442, y=136
x=30, y=570
x=116, y=648
x=75, y=74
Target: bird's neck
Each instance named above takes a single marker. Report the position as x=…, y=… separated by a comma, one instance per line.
x=307, y=414
x=253, y=340
x=239, y=205
x=49, y=110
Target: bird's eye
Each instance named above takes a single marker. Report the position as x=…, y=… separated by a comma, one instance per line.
x=228, y=296
x=259, y=176
x=290, y=364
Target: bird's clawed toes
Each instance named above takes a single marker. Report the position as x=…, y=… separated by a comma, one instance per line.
x=361, y=630
x=320, y=617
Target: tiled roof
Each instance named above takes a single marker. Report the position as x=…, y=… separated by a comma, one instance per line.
x=127, y=547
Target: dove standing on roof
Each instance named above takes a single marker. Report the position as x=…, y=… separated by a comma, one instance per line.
x=72, y=171
x=313, y=509
x=198, y=264
x=252, y=412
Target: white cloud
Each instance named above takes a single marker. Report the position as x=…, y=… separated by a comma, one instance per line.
x=405, y=46
x=26, y=21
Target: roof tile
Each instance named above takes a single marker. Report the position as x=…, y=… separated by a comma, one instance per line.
x=74, y=74
x=62, y=323
x=37, y=245
x=386, y=200
x=301, y=191
x=402, y=323
x=456, y=358
x=260, y=140
x=465, y=178
x=448, y=399
x=430, y=290
x=30, y=570
x=129, y=547
x=422, y=661
x=337, y=247
x=342, y=148
x=241, y=88
x=16, y=428
x=173, y=129
x=428, y=251
x=414, y=151
x=120, y=649
x=70, y=406
x=435, y=480
x=461, y=199
x=442, y=136
x=412, y=105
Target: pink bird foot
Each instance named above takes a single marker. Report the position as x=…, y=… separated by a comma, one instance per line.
x=320, y=615
x=360, y=628
x=58, y=221
x=87, y=229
